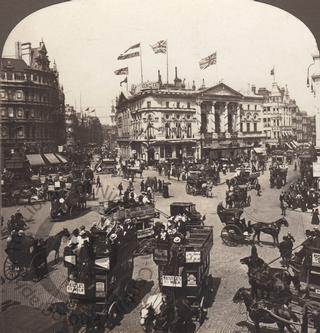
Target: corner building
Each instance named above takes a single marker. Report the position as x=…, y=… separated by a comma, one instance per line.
x=31, y=103
x=169, y=121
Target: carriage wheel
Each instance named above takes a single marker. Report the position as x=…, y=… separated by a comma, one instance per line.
x=11, y=270
x=231, y=235
x=113, y=315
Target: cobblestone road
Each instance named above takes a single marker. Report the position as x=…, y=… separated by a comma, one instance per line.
x=229, y=274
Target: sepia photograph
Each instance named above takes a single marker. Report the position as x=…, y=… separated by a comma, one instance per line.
x=160, y=166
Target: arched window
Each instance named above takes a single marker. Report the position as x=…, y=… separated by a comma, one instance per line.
x=4, y=131
x=20, y=132
x=178, y=130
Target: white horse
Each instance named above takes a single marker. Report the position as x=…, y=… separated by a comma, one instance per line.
x=150, y=309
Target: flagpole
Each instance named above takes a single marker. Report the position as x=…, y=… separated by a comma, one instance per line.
x=167, y=64
x=274, y=74
x=127, y=83
x=141, y=65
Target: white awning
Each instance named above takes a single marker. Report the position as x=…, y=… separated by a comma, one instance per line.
x=288, y=145
x=61, y=158
x=52, y=158
x=35, y=160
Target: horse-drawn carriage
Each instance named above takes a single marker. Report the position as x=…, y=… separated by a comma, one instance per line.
x=238, y=197
x=185, y=283
x=28, y=256
x=271, y=299
x=198, y=184
x=65, y=202
x=245, y=176
x=236, y=231
x=278, y=175
x=100, y=284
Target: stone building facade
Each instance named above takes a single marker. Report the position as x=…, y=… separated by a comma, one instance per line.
x=31, y=102
x=169, y=121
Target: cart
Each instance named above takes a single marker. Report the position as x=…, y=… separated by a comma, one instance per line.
x=238, y=197
x=197, y=184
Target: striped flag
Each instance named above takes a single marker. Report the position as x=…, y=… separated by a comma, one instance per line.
x=122, y=71
x=160, y=47
x=208, y=61
x=126, y=54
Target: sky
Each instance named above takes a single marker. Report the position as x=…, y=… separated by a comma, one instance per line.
x=85, y=37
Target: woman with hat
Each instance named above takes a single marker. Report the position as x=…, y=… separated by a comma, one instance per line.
x=315, y=217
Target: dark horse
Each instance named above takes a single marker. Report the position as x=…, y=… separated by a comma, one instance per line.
x=265, y=280
x=266, y=312
x=272, y=228
x=53, y=243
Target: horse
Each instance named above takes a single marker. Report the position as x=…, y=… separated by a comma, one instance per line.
x=272, y=228
x=265, y=312
x=267, y=279
x=53, y=243
x=150, y=314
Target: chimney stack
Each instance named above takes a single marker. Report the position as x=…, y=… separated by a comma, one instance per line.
x=253, y=89
x=18, y=54
x=176, y=72
x=193, y=85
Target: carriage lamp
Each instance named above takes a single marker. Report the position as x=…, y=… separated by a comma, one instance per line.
x=61, y=200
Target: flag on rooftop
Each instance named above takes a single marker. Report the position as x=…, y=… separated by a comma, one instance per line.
x=160, y=47
x=87, y=109
x=122, y=71
x=208, y=61
x=126, y=54
x=272, y=71
x=94, y=110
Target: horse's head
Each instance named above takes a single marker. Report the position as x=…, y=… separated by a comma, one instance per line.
x=241, y=294
x=283, y=221
x=145, y=314
x=246, y=261
x=65, y=232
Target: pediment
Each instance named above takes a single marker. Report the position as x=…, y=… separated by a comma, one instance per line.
x=220, y=89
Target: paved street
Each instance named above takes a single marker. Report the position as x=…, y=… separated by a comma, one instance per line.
x=228, y=273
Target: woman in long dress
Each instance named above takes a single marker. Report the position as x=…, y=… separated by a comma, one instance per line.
x=315, y=217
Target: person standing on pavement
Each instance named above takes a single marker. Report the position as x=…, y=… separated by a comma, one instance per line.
x=283, y=207
x=285, y=251
x=258, y=188
x=281, y=197
x=315, y=217
x=142, y=187
x=120, y=188
x=98, y=182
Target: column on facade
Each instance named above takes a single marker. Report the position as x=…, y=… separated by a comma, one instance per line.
x=224, y=119
x=211, y=119
x=238, y=119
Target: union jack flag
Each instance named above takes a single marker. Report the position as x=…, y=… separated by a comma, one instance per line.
x=160, y=47
x=208, y=61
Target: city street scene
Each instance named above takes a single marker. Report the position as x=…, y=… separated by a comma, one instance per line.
x=160, y=169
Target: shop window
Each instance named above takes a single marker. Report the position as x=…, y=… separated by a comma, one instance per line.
x=2, y=94
x=19, y=95
x=189, y=130
x=20, y=112
x=3, y=112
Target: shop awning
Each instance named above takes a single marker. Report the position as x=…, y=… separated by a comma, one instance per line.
x=61, y=158
x=260, y=150
x=35, y=160
x=52, y=158
x=288, y=145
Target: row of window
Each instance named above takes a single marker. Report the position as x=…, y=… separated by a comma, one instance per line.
x=28, y=132
x=177, y=105
x=18, y=95
x=19, y=76
x=248, y=127
x=24, y=114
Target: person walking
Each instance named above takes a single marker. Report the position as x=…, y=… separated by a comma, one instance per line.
x=98, y=182
x=285, y=251
x=120, y=188
x=315, y=217
x=258, y=188
x=142, y=186
x=283, y=207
